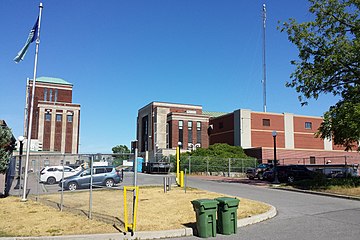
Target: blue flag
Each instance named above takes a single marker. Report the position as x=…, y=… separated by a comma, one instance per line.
x=31, y=38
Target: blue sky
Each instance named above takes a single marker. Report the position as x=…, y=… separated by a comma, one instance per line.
x=121, y=55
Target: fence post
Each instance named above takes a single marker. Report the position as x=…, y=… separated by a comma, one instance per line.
x=37, y=177
x=91, y=185
x=229, y=169
x=62, y=186
x=165, y=184
x=189, y=165
x=207, y=166
x=185, y=181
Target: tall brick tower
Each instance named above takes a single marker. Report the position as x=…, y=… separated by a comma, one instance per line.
x=56, y=120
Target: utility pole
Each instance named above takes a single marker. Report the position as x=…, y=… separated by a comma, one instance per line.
x=264, y=58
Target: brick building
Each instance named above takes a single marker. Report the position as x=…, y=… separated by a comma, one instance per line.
x=295, y=138
x=161, y=126
x=56, y=120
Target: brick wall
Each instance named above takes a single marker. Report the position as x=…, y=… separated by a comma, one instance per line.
x=222, y=130
x=68, y=136
x=298, y=156
x=174, y=125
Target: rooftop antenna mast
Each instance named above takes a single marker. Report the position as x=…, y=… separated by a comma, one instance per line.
x=264, y=57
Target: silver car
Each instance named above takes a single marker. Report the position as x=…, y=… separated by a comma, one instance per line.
x=102, y=176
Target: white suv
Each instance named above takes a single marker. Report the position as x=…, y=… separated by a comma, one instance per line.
x=53, y=174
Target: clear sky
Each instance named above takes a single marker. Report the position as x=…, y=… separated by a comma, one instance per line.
x=121, y=55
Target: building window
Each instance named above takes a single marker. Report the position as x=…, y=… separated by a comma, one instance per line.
x=266, y=122
x=56, y=95
x=47, y=116
x=190, y=134
x=181, y=133
x=144, y=133
x=198, y=132
x=50, y=97
x=58, y=117
x=312, y=160
x=167, y=135
x=45, y=94
x=308, y=125
x=221, y=125
x=69, y=118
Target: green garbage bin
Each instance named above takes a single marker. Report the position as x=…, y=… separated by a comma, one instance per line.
x=205, y=217
x=227, y=215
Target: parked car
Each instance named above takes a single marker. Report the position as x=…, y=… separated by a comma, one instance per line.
x=102, y=175
x=53, y=174
x=257, y=172
x=289, y=173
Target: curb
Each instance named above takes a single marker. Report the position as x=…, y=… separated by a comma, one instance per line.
x=257, y=218
x=319, y=193
x=185, y=232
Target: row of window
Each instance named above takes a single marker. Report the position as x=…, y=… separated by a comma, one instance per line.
x=266, y=123
x=50, y=96
x=69, y=118
x=190, y=132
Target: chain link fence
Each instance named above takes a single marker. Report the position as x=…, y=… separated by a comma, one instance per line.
x=45, y=183
x=231, y=167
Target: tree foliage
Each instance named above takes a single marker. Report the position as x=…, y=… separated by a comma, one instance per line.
x=329, y=56
x=216, y=158
x=122, y=152
x=221, y=150
x=6, y=147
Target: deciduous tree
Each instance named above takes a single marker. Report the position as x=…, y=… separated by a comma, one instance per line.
x=6, y=147
x=329, y=56
x=123, y=152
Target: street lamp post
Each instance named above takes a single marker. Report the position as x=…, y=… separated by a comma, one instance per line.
x=276, y=180
x=178, y=162
x=21, y=141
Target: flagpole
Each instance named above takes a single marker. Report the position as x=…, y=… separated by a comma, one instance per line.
x=31, y=108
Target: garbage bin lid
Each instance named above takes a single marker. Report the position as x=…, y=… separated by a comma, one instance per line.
x=230, y=202
x=206, y=203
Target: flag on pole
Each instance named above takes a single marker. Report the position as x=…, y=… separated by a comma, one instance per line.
x=31, y=38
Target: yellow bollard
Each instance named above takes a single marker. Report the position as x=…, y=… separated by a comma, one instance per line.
x=181, y=178
x=132, y=225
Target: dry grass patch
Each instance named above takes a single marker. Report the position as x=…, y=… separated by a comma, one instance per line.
x=156, y=210
x=344, y=191
x=35, y=219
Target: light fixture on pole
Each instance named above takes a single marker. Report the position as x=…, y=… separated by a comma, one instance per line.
x=276, y=180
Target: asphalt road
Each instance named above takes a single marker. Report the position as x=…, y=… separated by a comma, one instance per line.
x=300, y=215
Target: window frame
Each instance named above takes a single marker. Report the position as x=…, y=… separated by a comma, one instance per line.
x=69, y=117
x=58, y=117
x=266, y=122
x=308, y=125
x=47, y=116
